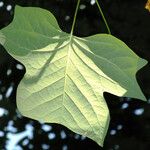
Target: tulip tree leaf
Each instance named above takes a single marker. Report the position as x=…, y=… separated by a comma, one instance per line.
x=66, y=75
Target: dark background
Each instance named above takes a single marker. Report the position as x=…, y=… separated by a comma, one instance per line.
x=130, y=118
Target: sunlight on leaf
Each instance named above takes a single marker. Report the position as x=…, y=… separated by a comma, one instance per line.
x=66, y=76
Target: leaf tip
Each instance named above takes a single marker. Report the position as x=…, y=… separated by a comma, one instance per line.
x=141, y=63
x=2, y=38
x=101, y=140
x=18, y=7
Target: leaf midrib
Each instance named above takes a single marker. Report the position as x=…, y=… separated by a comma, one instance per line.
x=67, y=62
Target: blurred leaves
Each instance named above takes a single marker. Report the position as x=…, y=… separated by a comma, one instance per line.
x=147, y=6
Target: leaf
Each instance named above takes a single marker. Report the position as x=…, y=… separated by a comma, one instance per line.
x=66, y=76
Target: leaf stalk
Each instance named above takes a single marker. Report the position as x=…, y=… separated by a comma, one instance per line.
x=75, y=16
x=101, y=12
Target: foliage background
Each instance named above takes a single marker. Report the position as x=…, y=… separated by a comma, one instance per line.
x=130, y=118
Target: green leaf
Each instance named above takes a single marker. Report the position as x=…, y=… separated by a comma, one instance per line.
x=66, y=76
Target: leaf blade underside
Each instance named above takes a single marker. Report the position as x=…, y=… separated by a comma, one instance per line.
x=67, y=75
